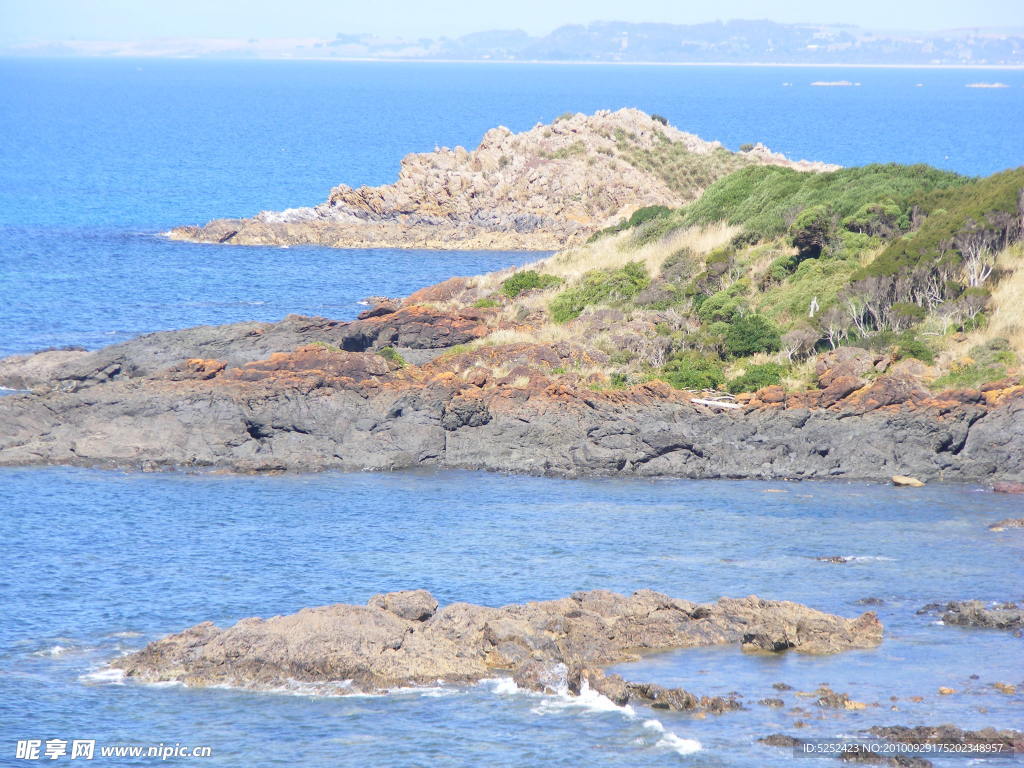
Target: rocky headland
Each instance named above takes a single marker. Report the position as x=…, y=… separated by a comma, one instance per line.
x=403, y=638
x=542, y=189
x=754, y=330
x=310, y=393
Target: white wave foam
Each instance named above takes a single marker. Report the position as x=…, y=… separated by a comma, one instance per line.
x=504, y=686
x=104, y=676
x=678, y=744
x=125, y=634
x=53, y=651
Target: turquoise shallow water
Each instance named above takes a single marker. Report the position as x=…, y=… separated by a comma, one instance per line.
x=100, y=157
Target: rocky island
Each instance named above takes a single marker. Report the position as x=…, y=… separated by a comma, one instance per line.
x=543, y=189
x=403, y=638
x=750, y=320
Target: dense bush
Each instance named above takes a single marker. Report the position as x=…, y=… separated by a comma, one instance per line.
x=762, y=198
x=600, y=286
x=813, y=231
x=724, y=306
x=527, y=280
x=883, y=219
x=751, y=334
x=757, y=376
x=485, y=303
x=985, y=210
x=693, y=371
x=639, y=217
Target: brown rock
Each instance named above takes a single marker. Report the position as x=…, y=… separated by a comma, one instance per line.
x=541, y=189
x=838, y=388
x=1008, y=487
x=888, y=390
x=903, y=481
x=772, y=395
x=844, y=362
x=1010, y=522
x=401, y=639
x=413, y=604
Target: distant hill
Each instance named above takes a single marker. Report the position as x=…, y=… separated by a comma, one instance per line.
x=738, y=42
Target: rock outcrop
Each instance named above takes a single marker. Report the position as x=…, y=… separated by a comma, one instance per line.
x=542, y=189
x=1011, y=741
x=974, y=613
x=401, y=639
x=311, y=393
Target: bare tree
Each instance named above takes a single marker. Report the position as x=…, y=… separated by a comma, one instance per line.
x=799, y=342
x=834, y=325
x=979, y=258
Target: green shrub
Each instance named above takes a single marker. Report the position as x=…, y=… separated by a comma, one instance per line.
x=751, y=334
x=883, y=219
x=392, y=355
x=986, y=207
x=762, y=198
x=756, y=377
x=996, y=351
x=971, y=376
x=600, y=286
x=659, y=119
x=618, y=381
x=904, y=314
x=781, y=268
x=638, y=218
x=724, y=306
x=813, y=231
x=694, y=371
x=527, y=280
x=485, y=303
x=909, y=345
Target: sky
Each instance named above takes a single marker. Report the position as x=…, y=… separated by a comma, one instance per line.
x=36, y=20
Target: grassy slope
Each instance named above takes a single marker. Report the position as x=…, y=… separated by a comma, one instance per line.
x=743, y=286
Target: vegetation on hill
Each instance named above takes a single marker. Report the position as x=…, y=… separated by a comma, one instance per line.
x=740, y=288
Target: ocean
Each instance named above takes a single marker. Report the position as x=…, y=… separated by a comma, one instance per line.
x=99, y=157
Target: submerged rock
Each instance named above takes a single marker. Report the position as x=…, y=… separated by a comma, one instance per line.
x=402, y=639
x=1010, y=522
x=1007, y=487
x=949, y=734
x=974, y=613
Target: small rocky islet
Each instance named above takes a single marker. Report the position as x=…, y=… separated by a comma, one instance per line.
x=403, y=638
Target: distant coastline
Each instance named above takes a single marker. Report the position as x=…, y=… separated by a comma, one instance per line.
x=7, y=56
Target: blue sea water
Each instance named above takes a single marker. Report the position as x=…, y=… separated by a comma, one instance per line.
x=98, y=157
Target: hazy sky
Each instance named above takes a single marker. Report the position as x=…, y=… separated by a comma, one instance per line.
x=22, y=20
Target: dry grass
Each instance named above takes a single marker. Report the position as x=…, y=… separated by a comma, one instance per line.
x=613, y=251
x=549, y=333
x=1006, y=310
x=801, y=376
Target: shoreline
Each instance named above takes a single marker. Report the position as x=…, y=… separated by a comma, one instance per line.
x=372, y=60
